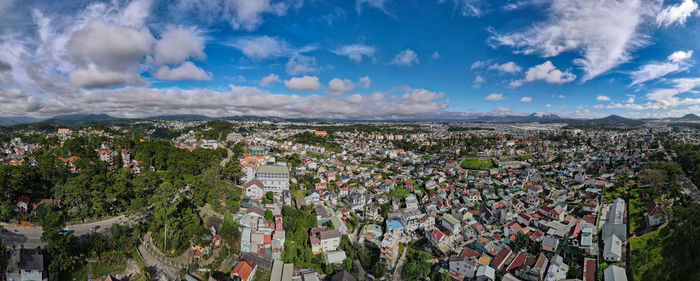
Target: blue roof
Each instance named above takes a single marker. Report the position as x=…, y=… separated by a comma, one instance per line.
x=394, y=224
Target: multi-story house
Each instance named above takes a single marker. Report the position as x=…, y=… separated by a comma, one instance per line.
x=275, y=178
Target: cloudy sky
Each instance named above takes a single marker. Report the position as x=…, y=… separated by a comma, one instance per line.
x=383, y=59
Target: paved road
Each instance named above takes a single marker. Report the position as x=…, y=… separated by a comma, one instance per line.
x=30, y=236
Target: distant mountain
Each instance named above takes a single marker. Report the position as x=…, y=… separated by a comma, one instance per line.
x=184, y=117
x=14, y=120
x=80, y=118
x=609, y=121
x=687, y=117
x=534, y=117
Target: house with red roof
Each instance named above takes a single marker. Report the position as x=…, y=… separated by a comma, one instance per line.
x=499, y=261
x=244, y=269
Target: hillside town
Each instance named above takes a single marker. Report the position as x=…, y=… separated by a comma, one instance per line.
x=334, y=201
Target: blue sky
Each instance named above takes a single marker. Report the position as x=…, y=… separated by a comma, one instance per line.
x=381, y=59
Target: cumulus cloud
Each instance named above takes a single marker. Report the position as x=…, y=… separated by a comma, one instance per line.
x=93, y=76
x=300, y=64
x=508, y=67
x=435, y=55
x=177, y=44
x=270, y=80
x=109, y=45
x=679, y=56
x=548, y=105
x=675, y=62
x=339, y=86
x=494, y=97
x=420, y=96
x=186, y=71
x=235, y=101
x=546, y=71
x=602, y=98
x=602, y=32
x=676, y=13
x=406, y=58
x=525, y=99
x=305, y=83
x=356, y=52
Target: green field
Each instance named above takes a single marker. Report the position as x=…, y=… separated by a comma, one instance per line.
x=637, y=209
x=476, y=164
x=647, y=261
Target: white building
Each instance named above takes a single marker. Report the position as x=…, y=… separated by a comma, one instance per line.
x=274, y=177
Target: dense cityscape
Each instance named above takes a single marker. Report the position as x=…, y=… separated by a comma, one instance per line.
x=160, y=199
x=349, y=140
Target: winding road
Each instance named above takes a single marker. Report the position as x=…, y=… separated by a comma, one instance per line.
x=30, y=236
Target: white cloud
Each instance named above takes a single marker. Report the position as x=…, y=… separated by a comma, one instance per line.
x=233, y=102
x=546, y=71
x=509, y=67
x=305, y=83
x=494, y=97
x=262, y=47
x=480, y=64
x=679, y=56
x=435, y=55
x=667, y=97
x=676, y=13
x=502, y=110
x=675, y=62
x=467, y=8
x=602, y=98
x=478, y=81
x=93, y=76
x=247, y=15
x=420, y=96
x=300, y=64
x=563, y=107
x=356, y=52
x=177, y=44
x=109, y=45
x=186, y=71
x=270, y=80
x=602, y=32
x=631, y=99
x=339, y=86
x=364, y=82
x=377, y=4
x=612, y=105
x=525, y=99
x=548, y=105
x=406, y=58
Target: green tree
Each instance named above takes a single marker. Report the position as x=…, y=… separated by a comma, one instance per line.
x=268, y=216
x=417, y=265
x=522, y=241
